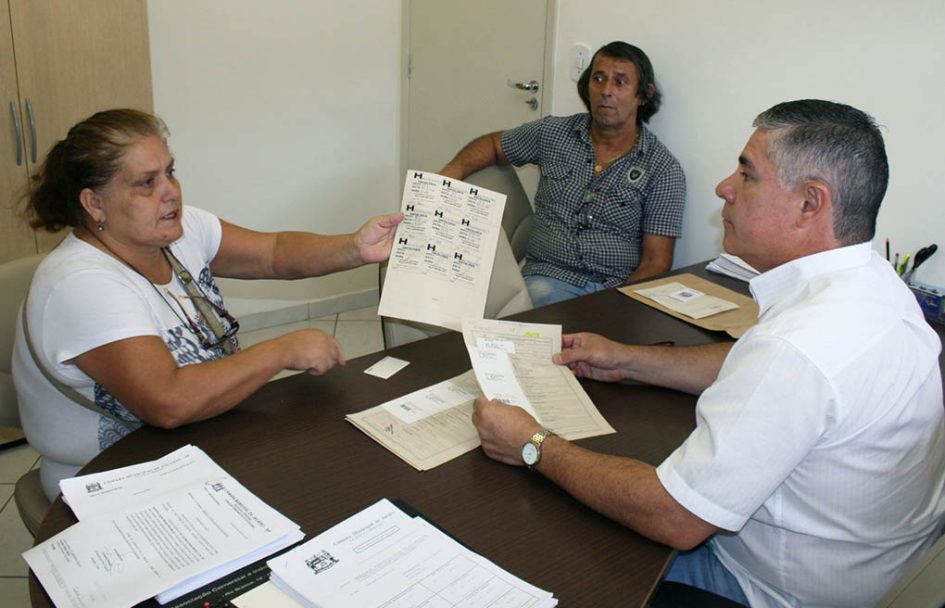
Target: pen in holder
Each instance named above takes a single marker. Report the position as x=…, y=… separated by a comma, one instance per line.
x=901, y=269
x=920, y=257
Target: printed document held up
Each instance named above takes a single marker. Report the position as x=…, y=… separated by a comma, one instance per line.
x=442, y=258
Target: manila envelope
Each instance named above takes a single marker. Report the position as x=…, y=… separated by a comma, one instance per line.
x=733, y=322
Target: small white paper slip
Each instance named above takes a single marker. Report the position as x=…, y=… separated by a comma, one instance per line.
x=684, y=295
x=387, y=367
x=685, y=300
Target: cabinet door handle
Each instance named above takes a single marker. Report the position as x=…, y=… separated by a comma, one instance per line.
x=15, y=115
x=32, y=123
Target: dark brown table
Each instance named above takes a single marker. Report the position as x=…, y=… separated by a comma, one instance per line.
x=290, y=445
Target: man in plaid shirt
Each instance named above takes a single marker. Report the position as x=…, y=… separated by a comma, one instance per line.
x=610, y=199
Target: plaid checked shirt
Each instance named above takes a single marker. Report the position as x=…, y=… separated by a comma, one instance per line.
x=587, y=227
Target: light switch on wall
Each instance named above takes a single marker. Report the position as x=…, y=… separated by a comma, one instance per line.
x=579, y=59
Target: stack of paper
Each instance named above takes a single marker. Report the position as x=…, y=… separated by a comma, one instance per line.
x=732, y=266
x=162, y=528
x=383, y=557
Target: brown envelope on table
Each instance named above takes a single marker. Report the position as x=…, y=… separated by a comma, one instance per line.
x=733, y=322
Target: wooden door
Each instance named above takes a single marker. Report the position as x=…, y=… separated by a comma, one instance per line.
x=73, y=59
x=464, y=60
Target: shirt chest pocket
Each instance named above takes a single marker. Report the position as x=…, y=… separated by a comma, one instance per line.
x=620, y=209
x=557, y=187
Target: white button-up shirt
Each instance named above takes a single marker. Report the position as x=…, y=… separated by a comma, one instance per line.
x=821, y=445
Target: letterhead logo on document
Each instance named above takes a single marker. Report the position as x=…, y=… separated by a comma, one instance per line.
x=321, y=561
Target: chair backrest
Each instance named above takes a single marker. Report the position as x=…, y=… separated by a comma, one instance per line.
x=923, y=585
x=507, y=292
x=15, y=277
x=518, y=214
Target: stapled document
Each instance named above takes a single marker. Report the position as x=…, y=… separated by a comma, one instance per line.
x=162, y=528
x=382, y=557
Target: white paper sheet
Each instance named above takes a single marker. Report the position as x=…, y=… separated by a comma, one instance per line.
x=383, y=557
x=426, y=427
x=548, y=391
x=386, y=367
x=442, y=257
x=101, y=493
x=496, y=375
x=687, y=301
x=266, y=595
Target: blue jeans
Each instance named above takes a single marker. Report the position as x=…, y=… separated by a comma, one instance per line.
x=701, y=568
x=545, y=290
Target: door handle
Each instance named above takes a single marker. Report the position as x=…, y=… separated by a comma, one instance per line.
x=32, y=123
x=15, y=115
x=531, y=86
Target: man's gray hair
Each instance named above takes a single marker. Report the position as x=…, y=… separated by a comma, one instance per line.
x=838, y=145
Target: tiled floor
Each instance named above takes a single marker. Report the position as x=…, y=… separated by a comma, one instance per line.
x=358, y=332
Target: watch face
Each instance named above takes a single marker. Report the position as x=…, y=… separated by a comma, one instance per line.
x=530, y=453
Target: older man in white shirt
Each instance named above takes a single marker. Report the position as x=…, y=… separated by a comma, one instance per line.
x=816, y=472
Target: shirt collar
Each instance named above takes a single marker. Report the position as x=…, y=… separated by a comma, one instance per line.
x=583, y=131
x=770, y=287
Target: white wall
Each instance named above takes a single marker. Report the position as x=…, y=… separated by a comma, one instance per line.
x=722, y=62
x=283, y=115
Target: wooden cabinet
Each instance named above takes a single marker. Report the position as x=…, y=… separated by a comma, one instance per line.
x=16, y=239
x=59, y=63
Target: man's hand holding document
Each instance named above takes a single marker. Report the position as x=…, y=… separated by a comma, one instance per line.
x=511, y=362
x=161, y=528
x=442, y=258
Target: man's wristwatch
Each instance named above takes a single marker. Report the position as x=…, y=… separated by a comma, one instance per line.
x=531, y=451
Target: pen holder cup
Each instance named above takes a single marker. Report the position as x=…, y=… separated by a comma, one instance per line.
x=931, y=300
